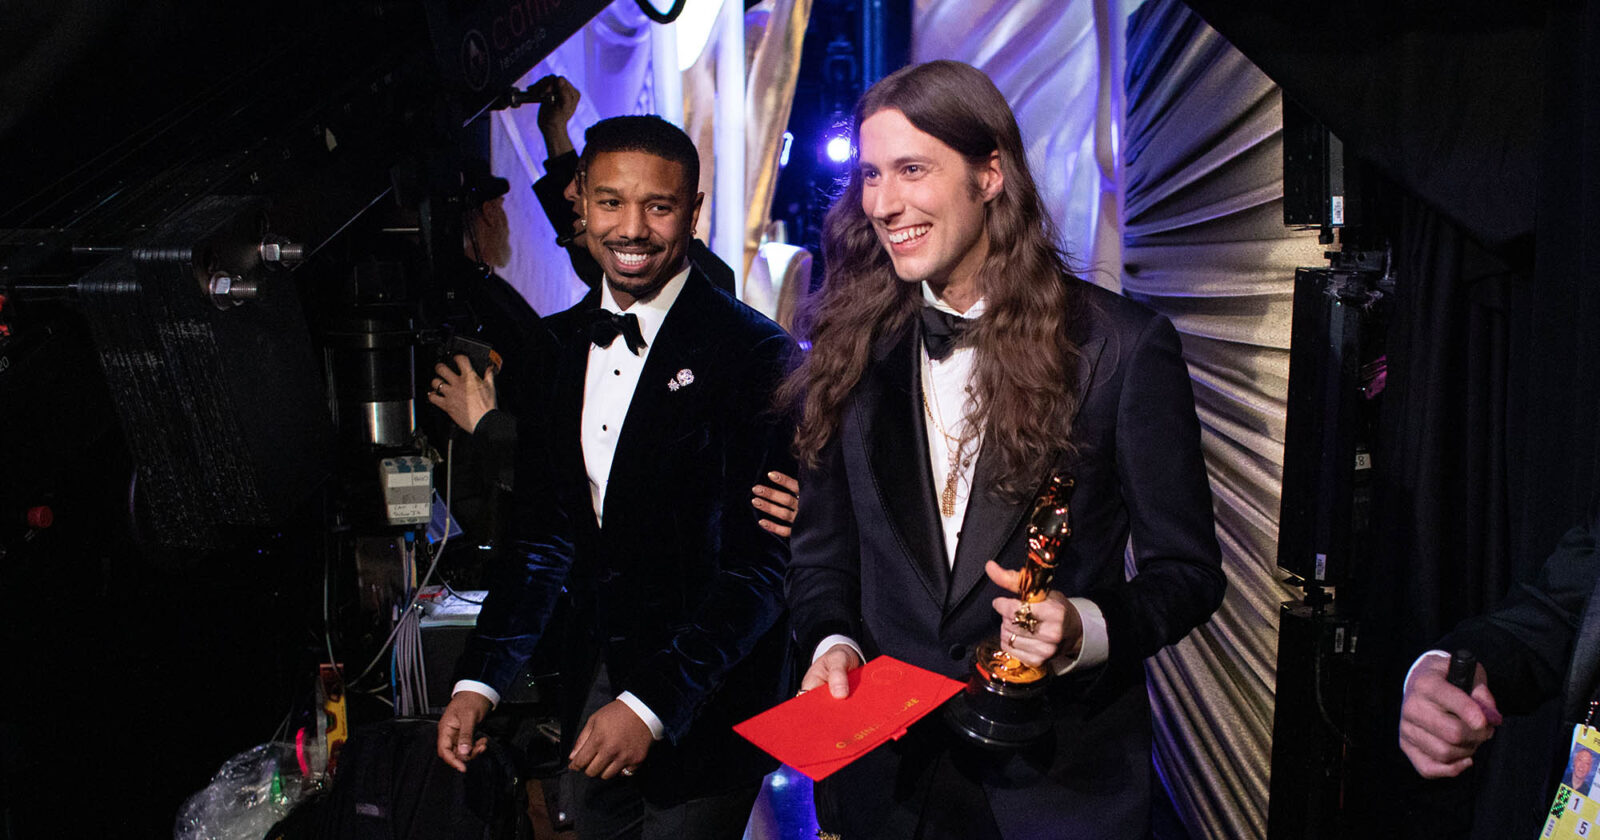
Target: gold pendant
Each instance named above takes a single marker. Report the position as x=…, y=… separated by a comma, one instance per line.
x=947, y=499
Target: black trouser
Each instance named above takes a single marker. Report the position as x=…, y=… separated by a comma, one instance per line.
x=615, y=809
x=932, y=793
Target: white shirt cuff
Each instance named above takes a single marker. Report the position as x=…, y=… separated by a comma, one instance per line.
x=477, y=688
x=836, y=639
x=1406, y=686
x=1096, y=648
x=658, y=730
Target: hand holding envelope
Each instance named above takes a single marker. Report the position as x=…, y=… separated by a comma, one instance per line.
x=817, y=733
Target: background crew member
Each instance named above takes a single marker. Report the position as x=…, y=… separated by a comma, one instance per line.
x=1542, y=642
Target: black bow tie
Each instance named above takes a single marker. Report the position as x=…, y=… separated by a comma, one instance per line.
x=942, y=331
x=605, y=326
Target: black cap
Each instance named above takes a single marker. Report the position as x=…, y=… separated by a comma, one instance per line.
x=479, y=184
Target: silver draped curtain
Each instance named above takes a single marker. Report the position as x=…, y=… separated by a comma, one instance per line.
x=1059, y=64
x=1192, y=200
x=1205, y=243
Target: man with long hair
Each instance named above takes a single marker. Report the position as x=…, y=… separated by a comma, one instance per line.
x=956, y=366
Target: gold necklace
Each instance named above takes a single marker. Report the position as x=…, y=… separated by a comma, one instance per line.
x=947, y=498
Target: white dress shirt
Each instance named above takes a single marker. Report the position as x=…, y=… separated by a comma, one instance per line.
x=608, y=385
x=609, y=382
x=946, y=385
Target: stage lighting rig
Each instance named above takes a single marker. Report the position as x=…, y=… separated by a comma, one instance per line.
x=1326, y=523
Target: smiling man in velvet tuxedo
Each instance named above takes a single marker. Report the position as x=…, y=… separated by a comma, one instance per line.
x=955, y=368
x=635, y=497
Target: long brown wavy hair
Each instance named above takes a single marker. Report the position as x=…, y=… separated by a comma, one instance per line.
x=1023, y=371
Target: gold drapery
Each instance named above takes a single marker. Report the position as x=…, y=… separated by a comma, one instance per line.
x=774, y=31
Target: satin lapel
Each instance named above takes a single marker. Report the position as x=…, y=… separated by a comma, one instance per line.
x=897, y=452
x=991, y=520
x=566, y=413
x=646, y=428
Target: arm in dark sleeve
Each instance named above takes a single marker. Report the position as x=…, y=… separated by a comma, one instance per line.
x=528, y=580
x=823, y=587
x=1526, y=642
x=551, y=191
x=1179, y=582
x=745, y=596
x=496, y=438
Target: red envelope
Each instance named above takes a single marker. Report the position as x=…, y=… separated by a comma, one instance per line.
x=817, y=734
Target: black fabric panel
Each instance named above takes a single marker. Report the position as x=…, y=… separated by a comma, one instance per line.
x=1555, y=364
x=1443, y=552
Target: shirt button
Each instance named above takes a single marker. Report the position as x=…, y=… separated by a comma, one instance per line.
x=958, y=652
x=617, y=372
x=603, y=427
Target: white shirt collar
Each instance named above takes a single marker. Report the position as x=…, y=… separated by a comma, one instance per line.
x=651, y=312
x=938, y=303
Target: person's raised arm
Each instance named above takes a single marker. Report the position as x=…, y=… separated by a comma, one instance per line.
x=558, y=101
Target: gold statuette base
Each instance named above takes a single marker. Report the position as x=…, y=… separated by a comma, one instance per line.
x=1003, y=706
x=998, y=666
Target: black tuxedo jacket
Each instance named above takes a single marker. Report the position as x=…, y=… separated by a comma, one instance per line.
x=869, y=562
x=680, y=594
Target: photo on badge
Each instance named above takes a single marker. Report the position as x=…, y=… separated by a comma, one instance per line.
x=1580, y=769
x=1572, y=812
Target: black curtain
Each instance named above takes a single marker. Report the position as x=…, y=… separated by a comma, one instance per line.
x=1485, y=117
x=1444, y=509
x=1555, y=361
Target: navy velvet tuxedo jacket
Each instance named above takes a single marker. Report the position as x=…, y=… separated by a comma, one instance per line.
x=680, y=594
x=868, y=562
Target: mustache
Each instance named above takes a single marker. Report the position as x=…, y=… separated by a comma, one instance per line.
x=644, y=244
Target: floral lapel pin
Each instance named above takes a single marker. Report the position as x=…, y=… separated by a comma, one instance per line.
x=684, y=379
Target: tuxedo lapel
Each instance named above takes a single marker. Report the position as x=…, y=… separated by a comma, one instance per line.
x=897, y=453
x=990, y=520
x=566, y=409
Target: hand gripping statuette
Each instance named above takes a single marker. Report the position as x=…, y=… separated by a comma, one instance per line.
x=1004, y=703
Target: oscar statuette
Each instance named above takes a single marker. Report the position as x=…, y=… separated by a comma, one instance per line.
x=1003, y=705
